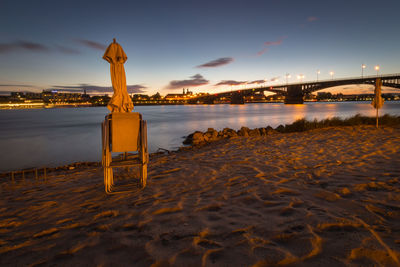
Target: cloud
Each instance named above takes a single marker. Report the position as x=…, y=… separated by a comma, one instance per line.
x=257, y=82
x=196, y=80
x=16, y=85
x=4, y=48
x=8, y=92
x=270, y=43
x=274, y=43
x=136, y=88
x=311, y=19
x=216, y=63
x=67, y=50
x=274, y=79
x=23, y=45
x=231, y=82
x=92, y=44
x=32, y=46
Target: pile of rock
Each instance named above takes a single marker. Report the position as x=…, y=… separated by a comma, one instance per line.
x=212, y=135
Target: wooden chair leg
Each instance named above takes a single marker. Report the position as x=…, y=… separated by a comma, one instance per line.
x=143, y=153
x=108, y=173
x=143, y=175
x=102, y=143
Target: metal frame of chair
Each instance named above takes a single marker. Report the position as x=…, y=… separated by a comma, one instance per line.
x=125, y=160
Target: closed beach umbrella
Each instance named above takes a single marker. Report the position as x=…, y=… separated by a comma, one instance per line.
x=377, y=102
x=120, y=101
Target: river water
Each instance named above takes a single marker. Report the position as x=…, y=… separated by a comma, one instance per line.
x=53, y=137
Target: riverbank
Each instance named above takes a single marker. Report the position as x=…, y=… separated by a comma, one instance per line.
x=322, y=197
x=42, y=105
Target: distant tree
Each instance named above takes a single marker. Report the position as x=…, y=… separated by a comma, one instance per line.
x=99, y=100
x=156, y=96
x=139, y=97
x=4, y=99
x=324, y=95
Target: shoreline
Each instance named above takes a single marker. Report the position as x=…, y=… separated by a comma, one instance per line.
x=17, y=106
x=199, y=138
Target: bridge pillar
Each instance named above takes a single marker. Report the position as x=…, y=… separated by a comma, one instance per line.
x=237, y=98
x=294, y=95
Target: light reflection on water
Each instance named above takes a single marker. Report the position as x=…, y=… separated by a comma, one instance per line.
x=51, y=137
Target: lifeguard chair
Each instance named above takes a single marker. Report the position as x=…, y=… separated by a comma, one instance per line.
x=126, y=133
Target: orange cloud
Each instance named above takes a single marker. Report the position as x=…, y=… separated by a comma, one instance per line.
x=270, y=43
x=231, y=82
x=311, y=19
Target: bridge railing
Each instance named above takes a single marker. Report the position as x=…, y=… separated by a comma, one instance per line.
x=270, y=86
x=331, y=80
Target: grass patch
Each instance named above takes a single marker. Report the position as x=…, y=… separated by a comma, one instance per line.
x=302, y=125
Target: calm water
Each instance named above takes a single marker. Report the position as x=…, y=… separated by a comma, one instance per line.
x=52, y=137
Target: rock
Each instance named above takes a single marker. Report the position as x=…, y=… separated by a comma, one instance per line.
x=214, y=135
x=232, y=133
x=188, y=140
x=280, y=128
x=254, y=132
x=211, y=135
x=227, y=132
x=270, y=130
x=244, y=131
x=197, y=138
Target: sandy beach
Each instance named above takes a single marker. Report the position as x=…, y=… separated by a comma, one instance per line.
x=326, y=197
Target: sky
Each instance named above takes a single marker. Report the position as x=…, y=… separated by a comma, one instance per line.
x=205, y=46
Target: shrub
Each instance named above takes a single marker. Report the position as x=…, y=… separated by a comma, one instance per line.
x=302, y=125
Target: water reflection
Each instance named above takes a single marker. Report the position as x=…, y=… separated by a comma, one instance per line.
x=299, y=111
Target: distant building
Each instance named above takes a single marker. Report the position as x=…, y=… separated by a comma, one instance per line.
x=31, y=95
x=100, y=100
x=53, y=96
x=140, y=97
x=172, y=97
x=184, y=96
x=17, y=96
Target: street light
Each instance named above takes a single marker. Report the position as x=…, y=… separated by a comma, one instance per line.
x=331, y=73
x=318, y=72
x=362, y=70
x=300, y=77
x=287, y=77
x=377, y=70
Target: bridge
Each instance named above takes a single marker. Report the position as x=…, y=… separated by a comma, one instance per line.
x=294, y=92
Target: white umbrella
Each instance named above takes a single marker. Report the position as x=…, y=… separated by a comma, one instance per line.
x=120, y=101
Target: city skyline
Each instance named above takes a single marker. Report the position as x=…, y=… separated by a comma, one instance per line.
x=204, y=46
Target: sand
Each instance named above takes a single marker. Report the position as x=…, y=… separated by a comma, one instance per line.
x=327, y=197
